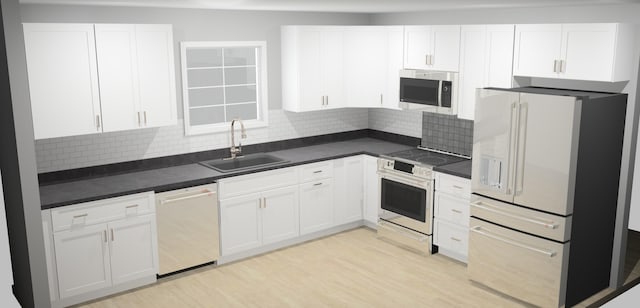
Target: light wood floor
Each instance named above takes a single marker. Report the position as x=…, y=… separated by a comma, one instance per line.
x=350, y=269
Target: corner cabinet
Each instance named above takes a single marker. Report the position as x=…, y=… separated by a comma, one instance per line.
x=101, y=247
x=486, y=54
x=312, y=67
x=432, y=47
x=349, y=192
x=86, y=78
x=597, y=52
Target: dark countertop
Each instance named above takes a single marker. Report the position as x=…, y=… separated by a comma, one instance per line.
x=177, y=177
x=461, y=169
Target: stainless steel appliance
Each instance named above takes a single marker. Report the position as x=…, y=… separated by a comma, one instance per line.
x=545, y=175
x=187, y=228
x=406, y=201
x=432, y=91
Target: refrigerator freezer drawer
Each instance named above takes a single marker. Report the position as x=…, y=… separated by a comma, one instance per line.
x=550, y=226
x=520, y=265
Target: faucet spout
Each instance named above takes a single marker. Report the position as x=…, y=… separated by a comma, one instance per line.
x=237, y=150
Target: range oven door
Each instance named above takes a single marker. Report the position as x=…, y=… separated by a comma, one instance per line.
x=406, y=201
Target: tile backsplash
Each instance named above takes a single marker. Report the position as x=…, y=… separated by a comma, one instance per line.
x=447, y=133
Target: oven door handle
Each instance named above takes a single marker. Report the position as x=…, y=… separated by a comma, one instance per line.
x=408, y=180
x=396, y=229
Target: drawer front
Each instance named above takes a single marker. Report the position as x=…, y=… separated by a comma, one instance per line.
x=452, y=209
x=316, y=171
x=261, y=181
x=520, y=265
x=453, y=185
x=543, y=224
x=452, y=237
x=101, y=211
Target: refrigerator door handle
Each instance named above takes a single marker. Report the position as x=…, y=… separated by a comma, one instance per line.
x=512, y=146
x=522, y=143
x=478, y=229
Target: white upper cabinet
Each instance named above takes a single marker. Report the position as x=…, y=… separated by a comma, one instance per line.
x=373, y=59
x=312, y=68
x=598, y=52
x=486, y=54
x=86, y=78
x=432, y=47
x=63, y=79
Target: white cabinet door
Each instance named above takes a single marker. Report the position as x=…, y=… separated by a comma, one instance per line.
x=156, y=75
x=486, y=53
x=310, y=78
x=316, y=206
x=588, y=51
x=445, y=48
x=332, y=68
x=395, y=37
x=365, y=66
x=63, y=79
x=240, y=224
x=371, y=189
x=280, y=218
x=133, y=248
x=82, y=257
x=118, y=73
x=536, y=50
x=417, y=46
x=348, y=199
x=432, y=47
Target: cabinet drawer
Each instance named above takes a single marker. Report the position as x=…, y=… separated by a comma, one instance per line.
x=95, y=212
x=450, y=208
x=315, y=171
x=261, y=181
x=451, y=237
x=454, y=185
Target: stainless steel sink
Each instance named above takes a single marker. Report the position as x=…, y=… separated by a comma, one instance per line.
x=246, y=162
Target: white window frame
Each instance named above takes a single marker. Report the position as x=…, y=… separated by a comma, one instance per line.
x=261, y=86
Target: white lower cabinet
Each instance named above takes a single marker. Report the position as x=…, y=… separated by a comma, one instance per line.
x=258, y=219
x=316, y=206
x=451, y=215
x=349, y=191
x=101, y=247
x=371, y=190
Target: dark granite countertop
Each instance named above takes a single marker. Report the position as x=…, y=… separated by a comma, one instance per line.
x=177, y=177
x=461, y=169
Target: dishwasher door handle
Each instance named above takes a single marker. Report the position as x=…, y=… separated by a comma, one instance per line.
x=205, y=193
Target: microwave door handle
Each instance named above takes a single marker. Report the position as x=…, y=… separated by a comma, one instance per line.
x=439, y=93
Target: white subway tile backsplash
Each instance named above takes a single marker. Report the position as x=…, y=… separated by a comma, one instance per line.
x=402, y=122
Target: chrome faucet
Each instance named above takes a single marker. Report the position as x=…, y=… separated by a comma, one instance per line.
x=237, y=150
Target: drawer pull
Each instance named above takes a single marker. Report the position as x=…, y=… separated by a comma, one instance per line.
x=105, y=235
x=457, y=187
x=497, y=210
x=319, y=171
x=317, y=184
x=132, y=206
x=477, y=229
x=456, y=211
x=456, y=239
x=112, y=235
x=80, y=216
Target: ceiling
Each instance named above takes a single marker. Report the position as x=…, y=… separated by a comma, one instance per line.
x=355, y=6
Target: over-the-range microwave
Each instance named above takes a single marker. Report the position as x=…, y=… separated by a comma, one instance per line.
x=432, y=91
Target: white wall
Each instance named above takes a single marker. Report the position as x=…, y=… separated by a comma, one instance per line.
x=574, y=14
x=193, y=25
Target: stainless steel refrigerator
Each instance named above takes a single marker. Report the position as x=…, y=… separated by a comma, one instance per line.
x=546, y=165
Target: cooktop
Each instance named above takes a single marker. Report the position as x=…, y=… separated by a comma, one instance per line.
x=425, y=157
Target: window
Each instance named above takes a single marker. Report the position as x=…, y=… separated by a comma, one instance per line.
x=222, y=81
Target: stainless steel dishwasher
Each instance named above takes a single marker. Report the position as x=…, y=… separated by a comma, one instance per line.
x=188, y=233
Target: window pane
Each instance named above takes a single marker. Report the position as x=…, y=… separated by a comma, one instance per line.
x=205, y=77
x=206, y=96
x=240, y=75
x=204, y=57
x=241, y=94
x=240, y=56
x=244, y=112
x=208, y=115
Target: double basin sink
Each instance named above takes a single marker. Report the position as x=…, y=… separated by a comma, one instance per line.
x=241, y=163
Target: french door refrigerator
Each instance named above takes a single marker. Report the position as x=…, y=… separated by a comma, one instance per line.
x=545, y=174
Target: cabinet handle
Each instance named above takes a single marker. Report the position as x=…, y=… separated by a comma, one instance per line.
x=318, y=171
x=457, y=187
x=105, y=235
x=456, y=211
x=455, y=239
x=265, y=202
x=561, y=66
x=132, y=206
x=139, y=118
x=555, y=66
x=80, y=216
x=381, y=99
x=145, y=118
x=112, y=235
x=327, y=100
x=317, y=184
x=426, y=59
x=98, y=121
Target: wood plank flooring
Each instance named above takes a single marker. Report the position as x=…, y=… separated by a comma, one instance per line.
x=350, y=269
